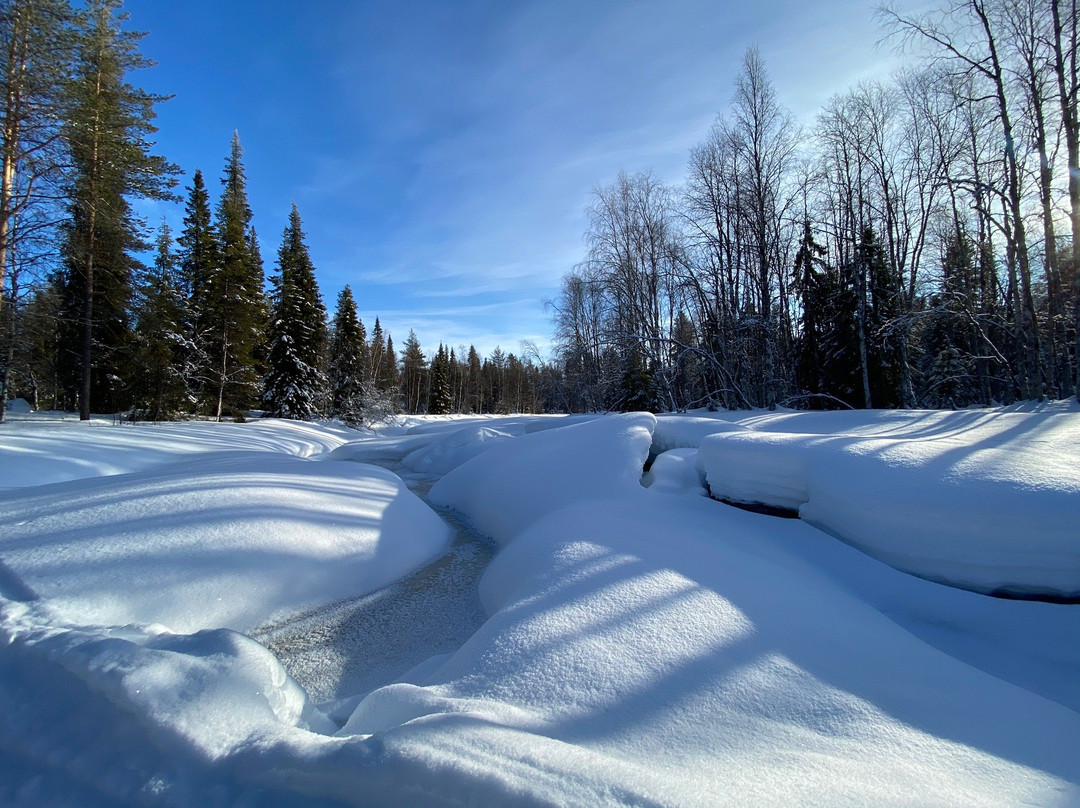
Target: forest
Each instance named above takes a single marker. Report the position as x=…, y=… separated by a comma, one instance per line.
x=913, y=247
x=194, y=331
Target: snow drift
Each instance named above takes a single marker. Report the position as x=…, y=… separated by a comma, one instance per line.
x=992, y=507
x=223, y=541
x=506, y=488
x=445, y=454
x=38, y=452
x=623, y=665
x=644, y=646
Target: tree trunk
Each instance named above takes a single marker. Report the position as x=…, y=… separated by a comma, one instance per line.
x=1067, y=92
x=87, y=327
x=224, y=369
x=13, y=111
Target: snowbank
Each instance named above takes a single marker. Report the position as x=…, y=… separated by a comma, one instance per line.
x=445, y=454
x=642, y=648
x=675, y=472
x=989, y=502
x=18, y=406
x=226, y=540
x=658, y=650
x=37, y=453
x=687, y=431
x=508, y=487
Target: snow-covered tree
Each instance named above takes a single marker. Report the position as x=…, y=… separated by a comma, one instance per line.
x=297, y=331
x=163, y=348
x=346, y=370
x=440, y=400
x=235, y=310
x=413, y=370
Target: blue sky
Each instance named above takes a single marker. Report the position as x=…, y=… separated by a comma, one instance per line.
x=442, y=152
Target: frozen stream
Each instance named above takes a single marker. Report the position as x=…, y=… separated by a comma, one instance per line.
x=357, y=645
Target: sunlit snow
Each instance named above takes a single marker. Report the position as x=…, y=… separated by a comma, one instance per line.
x=631, y=642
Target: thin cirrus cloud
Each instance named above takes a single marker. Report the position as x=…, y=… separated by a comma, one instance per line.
x=442, y=154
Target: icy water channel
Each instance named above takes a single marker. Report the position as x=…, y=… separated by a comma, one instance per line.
x=356, y=645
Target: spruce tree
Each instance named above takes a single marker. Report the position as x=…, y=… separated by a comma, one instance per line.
x=636, y=384
x=345, y=370
x=457, y=384
x=390, y=378
x=473, y=383
x=235, y=310
x=297, y=333
x=809, y=282
x=440, y=400
x=413, y=368
x=375, y=354
x=198, y=241
x=107, y=133
x=163, y=348
x=199, y=257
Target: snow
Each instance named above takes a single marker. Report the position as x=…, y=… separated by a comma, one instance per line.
x=227, y=540
x=985, y=500
x=675, y=472
x=43, y=450
x=514, y=483
x=718, y=667
x=18, y=406
x=446, y=454
x=636, y=643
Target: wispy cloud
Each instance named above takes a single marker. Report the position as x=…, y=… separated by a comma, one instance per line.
x=445, y=152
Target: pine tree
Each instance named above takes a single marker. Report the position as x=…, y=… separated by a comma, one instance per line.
x=36, y=57
x=440, y=400
x=107, y=131
x=297, y=331
x=345, y=373
x=235, y=310
x=163, y=348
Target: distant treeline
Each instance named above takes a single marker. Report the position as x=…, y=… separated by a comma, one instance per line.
x=914, y=248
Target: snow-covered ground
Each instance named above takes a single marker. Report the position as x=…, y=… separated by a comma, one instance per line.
x=987, y=500
x=631, y=643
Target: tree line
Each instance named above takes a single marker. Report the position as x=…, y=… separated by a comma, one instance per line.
x=86, y=324
x=914, y=247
